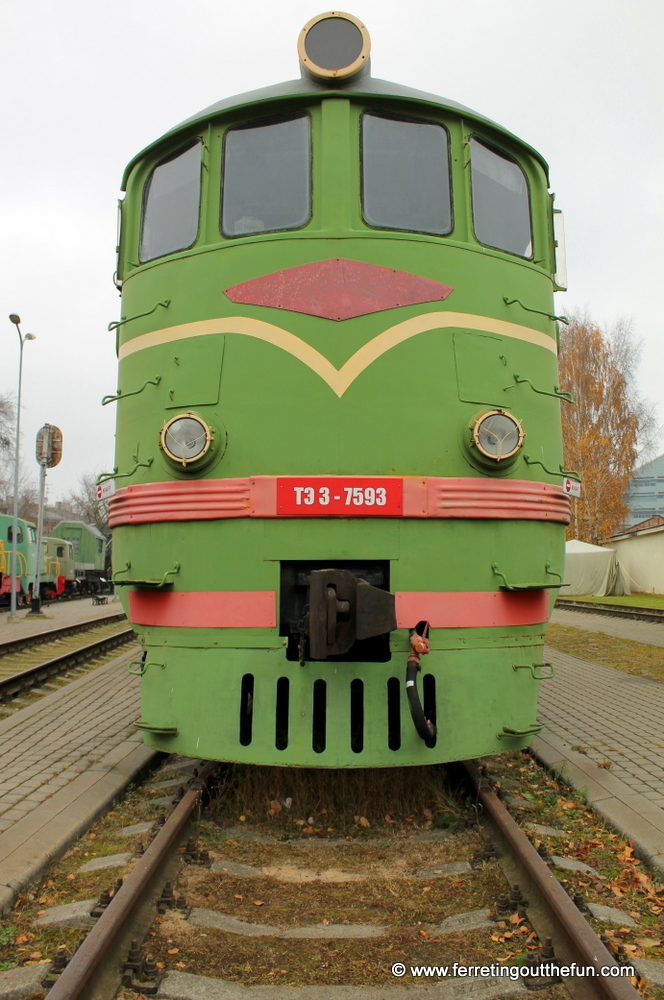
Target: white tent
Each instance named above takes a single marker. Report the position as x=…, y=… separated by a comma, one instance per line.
x=592, y=571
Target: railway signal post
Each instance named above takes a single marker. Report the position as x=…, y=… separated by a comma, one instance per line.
x=48, y=451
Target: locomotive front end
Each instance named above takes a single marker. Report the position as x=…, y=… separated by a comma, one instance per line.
x=339, y=514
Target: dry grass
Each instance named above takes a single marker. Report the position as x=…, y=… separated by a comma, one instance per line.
x=632, y=600
x=335, y=800
x=631, y=657
x=394, y=902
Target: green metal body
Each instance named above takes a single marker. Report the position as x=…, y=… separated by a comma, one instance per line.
x=58, y=574
x=26, y=553
x=406, y=414
x=89, y=547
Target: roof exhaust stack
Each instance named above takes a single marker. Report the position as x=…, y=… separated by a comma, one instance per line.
x=334, y=46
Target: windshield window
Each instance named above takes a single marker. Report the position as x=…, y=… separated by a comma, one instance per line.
x=501, y=207
x=171, y=204
x=267, y=177
x=405, y=175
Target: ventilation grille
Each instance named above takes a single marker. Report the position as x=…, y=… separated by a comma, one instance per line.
x=391, y=714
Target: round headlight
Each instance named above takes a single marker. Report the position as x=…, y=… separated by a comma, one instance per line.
x=334, y=46
x=498, y=435
x=185, y=438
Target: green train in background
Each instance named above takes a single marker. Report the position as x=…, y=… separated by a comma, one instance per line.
x=339, y=513
x=73, y=560
x=86, y=551
x=26, y=554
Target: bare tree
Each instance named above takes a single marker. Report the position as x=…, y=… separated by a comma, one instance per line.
x=27, y=490
x=85, y=503
x=7, y=425
x=609, y=425
x=626, y=354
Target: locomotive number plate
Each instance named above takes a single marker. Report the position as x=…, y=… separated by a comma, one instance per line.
x=319, y=496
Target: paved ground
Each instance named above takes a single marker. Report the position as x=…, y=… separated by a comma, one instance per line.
x=613, y=717
x=62, y=760
x=625, y=628
x=594, y=715
x=57, y=616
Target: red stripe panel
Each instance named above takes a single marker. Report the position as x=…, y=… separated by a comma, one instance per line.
x=472, y=609
x=258, y=609
x=433, y=496
x=214, y=609
x=507, y=498
x=183, y=500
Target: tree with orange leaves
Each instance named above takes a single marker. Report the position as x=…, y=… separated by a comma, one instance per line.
x=604, y=430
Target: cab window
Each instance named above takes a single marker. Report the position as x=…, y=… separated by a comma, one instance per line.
x=501, y=205
x=171, y=202
x=60, y=551
x=10, y=534
x=33, y=533
x=405, y=175
x=266, y=177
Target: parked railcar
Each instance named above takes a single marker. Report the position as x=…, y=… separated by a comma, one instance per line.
x=58, y=572
x=26, y=554
x=339, y=513
x=89, y=553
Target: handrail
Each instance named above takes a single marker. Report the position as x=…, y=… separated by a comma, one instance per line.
x=134, y=392
x=570, y=473
x=540, y=312
x=557, y=394
x=120, y=322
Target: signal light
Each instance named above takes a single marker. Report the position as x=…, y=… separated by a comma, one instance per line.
x=334, y=46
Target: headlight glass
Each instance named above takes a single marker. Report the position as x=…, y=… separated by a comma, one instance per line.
x=334, y=45
x=498, y=435
x=185, y=438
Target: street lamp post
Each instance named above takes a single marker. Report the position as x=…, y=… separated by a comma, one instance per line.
x=16, y=320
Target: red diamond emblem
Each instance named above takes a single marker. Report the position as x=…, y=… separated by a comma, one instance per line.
x=338, y=289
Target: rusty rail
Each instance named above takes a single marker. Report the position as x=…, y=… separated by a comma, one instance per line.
x=37, y=638
x=24, y=679
x=612, y=610
x=574, y=938
x=86, y=960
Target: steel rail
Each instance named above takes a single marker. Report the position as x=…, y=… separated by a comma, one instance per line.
x=37, y=638
x=613, y=610
x=24, y=679
x=101, y=938
x=574, y=938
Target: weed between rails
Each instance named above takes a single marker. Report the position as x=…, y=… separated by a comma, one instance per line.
x=294, y=800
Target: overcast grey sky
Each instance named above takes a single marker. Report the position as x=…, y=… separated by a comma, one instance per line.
x=86, y=85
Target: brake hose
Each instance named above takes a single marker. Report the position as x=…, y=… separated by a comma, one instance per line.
x=419, y=645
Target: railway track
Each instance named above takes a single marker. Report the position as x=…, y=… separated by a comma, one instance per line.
x=613, y=610
x=111, y=958
x=25, y=665
x=52, y=635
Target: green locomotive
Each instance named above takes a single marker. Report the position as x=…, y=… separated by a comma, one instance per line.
x=26, y=549
x=338, y=435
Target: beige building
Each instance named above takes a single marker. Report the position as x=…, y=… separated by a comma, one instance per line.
x=640, y=552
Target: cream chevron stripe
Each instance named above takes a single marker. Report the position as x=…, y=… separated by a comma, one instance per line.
x=338, y=379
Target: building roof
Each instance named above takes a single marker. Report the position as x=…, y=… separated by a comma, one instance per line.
x=655, y=523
